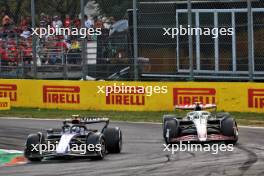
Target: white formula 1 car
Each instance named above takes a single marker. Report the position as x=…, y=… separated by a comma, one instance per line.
x=199, y=125
x=75, y=139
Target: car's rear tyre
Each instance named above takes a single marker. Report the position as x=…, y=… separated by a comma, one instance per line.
x=113, y=137
x=171, y=129
x=31, y=153
x=96, y=140
x=229, y=128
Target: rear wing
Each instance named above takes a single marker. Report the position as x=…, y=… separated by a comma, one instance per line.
x=76, y=119
x=192, y=107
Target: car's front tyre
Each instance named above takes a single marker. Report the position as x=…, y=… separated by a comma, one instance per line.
x=32, y=150
x=171, y=130
x=96, y=140
x=229, y=128
x=165, y=118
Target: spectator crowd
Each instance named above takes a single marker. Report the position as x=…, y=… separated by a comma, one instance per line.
x=16, y=38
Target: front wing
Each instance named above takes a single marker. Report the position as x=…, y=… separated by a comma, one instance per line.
x=210, y=137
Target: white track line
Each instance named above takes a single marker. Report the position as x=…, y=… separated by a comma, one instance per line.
x=152, y=123
x=12, y=151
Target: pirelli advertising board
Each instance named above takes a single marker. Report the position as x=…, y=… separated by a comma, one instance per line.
x=132, y=96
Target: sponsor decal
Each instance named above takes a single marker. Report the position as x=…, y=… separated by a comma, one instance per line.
x=61, y=94
x=188, y=96
x=3, y=104
x=256, y=98
x=8, y=90
x=135, y=96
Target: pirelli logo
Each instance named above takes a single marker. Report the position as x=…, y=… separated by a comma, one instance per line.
x=5, y=103
x=256, y=98
x=8, y=90
x=133, y=97
x=61, y=94
x=188, y=96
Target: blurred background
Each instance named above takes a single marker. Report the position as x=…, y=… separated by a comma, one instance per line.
x=132, y=45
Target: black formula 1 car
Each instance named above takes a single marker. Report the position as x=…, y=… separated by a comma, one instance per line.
x=199, y=125
x=74, y=139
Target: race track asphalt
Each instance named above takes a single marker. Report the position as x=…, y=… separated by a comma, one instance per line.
x=142, y=154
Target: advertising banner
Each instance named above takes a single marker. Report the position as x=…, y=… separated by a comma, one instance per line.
x=132, y=96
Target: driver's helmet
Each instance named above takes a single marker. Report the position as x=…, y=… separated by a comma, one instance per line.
x=76, y=129
x=197, y=106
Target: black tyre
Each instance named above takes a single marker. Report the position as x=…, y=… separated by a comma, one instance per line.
x=30, y=152
x=229, y=128
x=171, y=130
x=166, y=118
x=97, y=139
x=113, y=137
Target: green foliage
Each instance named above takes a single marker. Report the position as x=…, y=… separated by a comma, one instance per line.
x=15, y=8
x=18, y=8
x=58, y=7
x=114, y=8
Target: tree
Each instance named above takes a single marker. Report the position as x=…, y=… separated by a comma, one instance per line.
x=18, y=8
x=15, y=8
x=58, y=7
x=114, y=8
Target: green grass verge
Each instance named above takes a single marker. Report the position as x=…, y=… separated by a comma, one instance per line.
x=252, y=119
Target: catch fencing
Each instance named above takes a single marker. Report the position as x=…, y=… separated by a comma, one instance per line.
x=137, y=42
